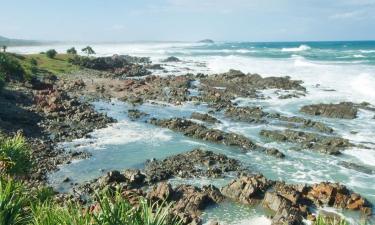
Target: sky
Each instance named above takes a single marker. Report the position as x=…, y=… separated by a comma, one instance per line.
x=188, y=20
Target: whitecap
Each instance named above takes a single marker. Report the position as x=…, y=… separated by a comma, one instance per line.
x=298, y=49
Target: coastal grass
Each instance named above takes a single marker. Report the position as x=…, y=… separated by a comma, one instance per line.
x=58, y=65
x=14, y=155
x=13, y=202
x=321, y=220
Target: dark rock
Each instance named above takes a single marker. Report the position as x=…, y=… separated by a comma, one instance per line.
x=325, y=144
x=246, y=114
x=204, y=117
x=247, y=189
x=135, y=114
x=359, y=168
x=208, y=41
x=343, y=110
x=196, y=163
x=191, y=129
x=172, y=59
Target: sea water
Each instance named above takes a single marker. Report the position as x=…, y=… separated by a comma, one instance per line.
x=331, y=72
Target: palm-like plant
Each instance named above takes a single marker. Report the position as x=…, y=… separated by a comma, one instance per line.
x=14, y=155
x=4, y=47
x=12, y=202
x=88, y=50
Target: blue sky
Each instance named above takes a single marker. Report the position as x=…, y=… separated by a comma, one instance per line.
x=188, y=20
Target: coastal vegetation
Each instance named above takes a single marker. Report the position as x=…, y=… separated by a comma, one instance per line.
x=51, y=53
x=88, y=50
x=72, y=51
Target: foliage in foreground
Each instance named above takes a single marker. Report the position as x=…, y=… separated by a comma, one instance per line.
x=13, y=203
x=14, y=155
x=2, y=81
x=21, y=207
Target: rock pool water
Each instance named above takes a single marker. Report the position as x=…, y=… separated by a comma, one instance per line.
x=128, y=144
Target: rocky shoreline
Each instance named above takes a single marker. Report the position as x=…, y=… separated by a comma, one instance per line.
x=54, y=110
x=289, y=203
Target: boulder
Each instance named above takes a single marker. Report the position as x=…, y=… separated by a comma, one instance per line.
x=247, y=189
x=343, y=110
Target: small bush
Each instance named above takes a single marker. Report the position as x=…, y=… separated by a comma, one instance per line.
x=2, y=81
x=72, y=51
x=10, y=67
x=14, y=155
x=33, y=62
x=13, y=202
x=51, y=53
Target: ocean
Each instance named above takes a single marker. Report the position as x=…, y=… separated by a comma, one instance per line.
x=331, y=71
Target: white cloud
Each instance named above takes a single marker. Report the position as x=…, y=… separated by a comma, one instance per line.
x=356, y=15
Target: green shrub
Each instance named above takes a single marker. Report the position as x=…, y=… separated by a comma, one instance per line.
x=321, y=220
x=72, y=51
x=2, y=81
x=111, y=210
x=51, y=53
x=33, y=62
x=14, y=155
x=10, y=67
x=13, y=202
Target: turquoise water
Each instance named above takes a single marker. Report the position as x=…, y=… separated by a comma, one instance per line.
x=340, y=52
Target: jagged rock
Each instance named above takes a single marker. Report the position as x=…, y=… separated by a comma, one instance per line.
x=135, y=114
x=343, y=110
x=196, y=163
x=112, y=177
x=325, y=144
x=247, y=189
x=191, y=129
x=338, y=196
x=172, y=59
x=246, y=114
x=204, y=117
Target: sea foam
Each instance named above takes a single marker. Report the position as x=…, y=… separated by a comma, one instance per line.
x=298, y=49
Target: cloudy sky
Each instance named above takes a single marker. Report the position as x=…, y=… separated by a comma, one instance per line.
x=188, y=20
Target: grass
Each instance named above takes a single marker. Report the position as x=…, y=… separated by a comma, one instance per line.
x=14, y=155
x=13, y=203
x=321, y=220
x=19, y=206
x=58, y=65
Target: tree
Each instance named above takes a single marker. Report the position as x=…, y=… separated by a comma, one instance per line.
x=51, y=53
x=72, y=51
x=88, y=50
x=4, y=48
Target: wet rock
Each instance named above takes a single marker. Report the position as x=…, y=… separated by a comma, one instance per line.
x=135, y=114
x=247, y=189
x=306, y=123
x=338, y=196
x=285, y=212
x=324, y=144
x=246, y=114
x=172, y=59
x=163, y=191
x=189, y=201
x=343, y=110
x=191, y=129
x=204, y=117
x=112, y=177
x=357, y=167
x=196, y=163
